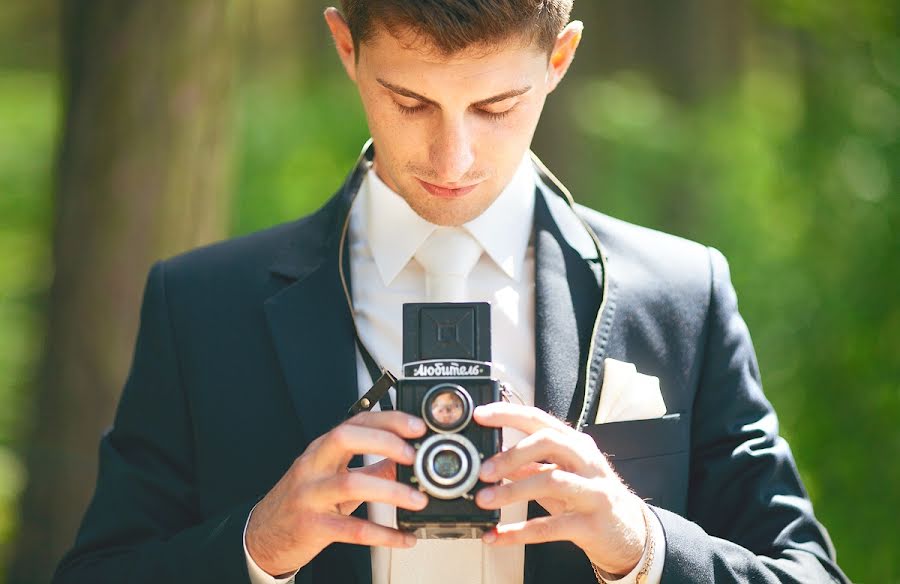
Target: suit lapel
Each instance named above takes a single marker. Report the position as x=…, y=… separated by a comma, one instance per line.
x=567, y=297
x=311, y=325
x=313, y=334
x=569, y=290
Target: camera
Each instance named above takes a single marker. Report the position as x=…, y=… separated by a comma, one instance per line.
x=446, y=375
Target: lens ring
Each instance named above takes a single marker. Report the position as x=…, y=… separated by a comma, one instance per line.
x=453, y=396
x=464, y=484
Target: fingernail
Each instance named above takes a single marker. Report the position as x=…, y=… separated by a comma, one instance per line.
x=489, y=537
x=409, y=452
x=409, y=540
x=416, y=425
x=486, y=495
x=418, y=498
x=487, y=469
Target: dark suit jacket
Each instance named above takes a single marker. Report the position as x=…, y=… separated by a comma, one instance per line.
x=245, y=354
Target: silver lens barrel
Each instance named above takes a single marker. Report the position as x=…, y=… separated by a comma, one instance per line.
x=447, y=465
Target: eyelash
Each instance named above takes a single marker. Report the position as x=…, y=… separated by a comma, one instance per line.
x=408, y=111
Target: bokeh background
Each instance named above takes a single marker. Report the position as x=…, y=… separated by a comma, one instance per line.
x=132, y=130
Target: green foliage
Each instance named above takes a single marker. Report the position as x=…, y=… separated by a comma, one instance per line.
x=296, y=146
x=28, y=113
x=793, y=174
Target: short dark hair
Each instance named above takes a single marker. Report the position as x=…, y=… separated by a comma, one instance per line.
x=454, y=25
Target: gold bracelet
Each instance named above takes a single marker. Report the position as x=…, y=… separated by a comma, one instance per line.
x=649, y=546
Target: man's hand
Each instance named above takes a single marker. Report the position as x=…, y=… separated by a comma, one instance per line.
x=563, y=471
x=308, y=507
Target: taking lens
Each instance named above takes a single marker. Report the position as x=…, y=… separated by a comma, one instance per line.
x=447, y=465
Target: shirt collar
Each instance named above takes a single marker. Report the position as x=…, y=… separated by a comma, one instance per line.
x=395, y=231
x=504, y=228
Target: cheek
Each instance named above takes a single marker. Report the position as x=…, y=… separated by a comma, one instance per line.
x=392, y=129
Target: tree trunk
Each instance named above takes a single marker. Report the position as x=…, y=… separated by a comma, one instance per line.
x=142, y=172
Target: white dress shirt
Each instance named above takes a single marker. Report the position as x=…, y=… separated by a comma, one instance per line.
x=385, y=233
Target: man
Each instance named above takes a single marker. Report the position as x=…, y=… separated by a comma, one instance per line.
x=640, y=447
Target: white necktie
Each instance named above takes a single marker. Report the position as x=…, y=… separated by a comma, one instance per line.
x=448, y=255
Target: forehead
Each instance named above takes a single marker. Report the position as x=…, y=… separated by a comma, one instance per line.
x=413, y=56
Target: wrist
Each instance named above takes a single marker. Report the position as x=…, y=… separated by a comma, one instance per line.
x=257, y=551
x=642, y=564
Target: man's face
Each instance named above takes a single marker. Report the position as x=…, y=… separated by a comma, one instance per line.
x=449, y=132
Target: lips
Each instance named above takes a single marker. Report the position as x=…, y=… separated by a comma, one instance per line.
x=444, y=192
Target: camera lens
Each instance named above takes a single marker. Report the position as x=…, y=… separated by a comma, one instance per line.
x=447, y=407
x=447, y=465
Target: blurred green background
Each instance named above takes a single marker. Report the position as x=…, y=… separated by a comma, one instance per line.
x=768, y=129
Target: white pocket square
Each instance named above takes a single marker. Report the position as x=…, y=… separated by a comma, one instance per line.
x=628, y=395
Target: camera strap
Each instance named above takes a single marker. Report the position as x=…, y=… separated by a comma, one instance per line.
x=382, y=381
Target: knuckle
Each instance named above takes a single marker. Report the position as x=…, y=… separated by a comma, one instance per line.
x=542, y=436
x=353, y=531
x=544, y=530
x=346, y=483
x=341, y=435
x=362, y=531
x=315, y=444
x=586, y=441
x=555, y=477
x=361, y=418
x=552, y=437
x=399, y=491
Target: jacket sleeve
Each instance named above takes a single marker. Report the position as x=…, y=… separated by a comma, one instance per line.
x=143, y=523
x=749, y=518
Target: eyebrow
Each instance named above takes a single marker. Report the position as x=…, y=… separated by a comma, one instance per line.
x=413, y=95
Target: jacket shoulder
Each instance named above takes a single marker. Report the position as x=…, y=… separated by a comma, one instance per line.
x=654, y=265
x=241, y=270
x=637, y=239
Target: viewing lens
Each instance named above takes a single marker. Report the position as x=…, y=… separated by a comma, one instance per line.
x=447, y=408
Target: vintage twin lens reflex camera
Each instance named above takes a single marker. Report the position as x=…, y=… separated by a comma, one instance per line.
x=446, y=374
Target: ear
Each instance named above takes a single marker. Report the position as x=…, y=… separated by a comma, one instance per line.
x=563, y=53
x=343, y=41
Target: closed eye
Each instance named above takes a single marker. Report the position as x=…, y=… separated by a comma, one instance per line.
x=419, y=108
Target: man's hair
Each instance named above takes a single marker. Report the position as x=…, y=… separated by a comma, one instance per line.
x=451, y=26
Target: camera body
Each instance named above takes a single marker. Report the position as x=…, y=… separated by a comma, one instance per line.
x=446, y=354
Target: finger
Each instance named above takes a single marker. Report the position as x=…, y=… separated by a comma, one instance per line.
x=400, y=423
x=528, y=419
x=339, y=445
x=385, y=469
x=352, y=530
x=357, y=486
x=547, y=444
x=538, y=530
x=527, y=470
x=554, y=484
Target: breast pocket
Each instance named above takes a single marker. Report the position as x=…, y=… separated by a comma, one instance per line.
x=651, y=456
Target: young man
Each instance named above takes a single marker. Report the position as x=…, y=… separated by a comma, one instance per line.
x=640, y=447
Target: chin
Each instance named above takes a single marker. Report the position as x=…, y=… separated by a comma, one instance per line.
x=447, y=213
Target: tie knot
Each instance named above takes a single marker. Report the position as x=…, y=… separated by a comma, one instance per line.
x=448, y=255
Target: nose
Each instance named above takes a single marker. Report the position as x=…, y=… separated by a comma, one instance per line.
x=451, y=154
